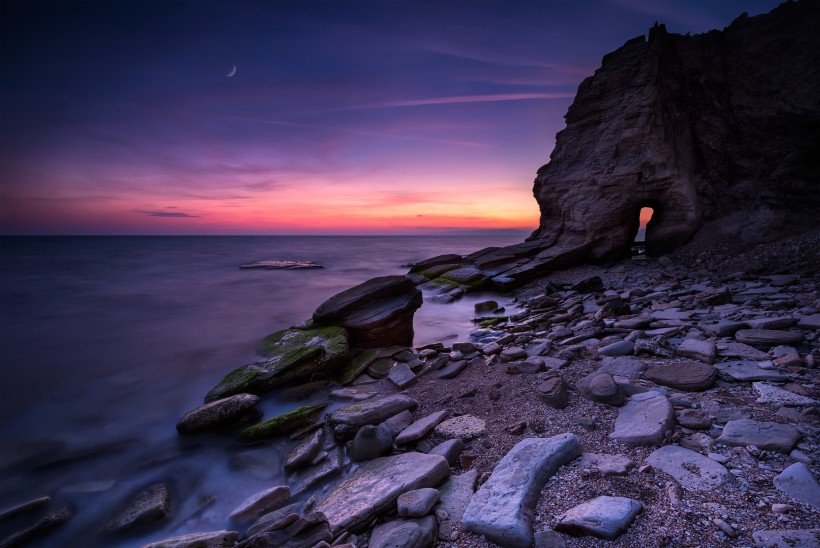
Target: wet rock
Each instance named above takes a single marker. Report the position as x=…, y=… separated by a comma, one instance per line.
x=417, y=503
x=217, y=414
x=306, y=451
x=358, y=364
x=347, y=420
x=449, y=449
x=213, y=539
x=607, y=465
x=620, y=348
x=768, y=337
x=405, y=533
x=687, y=376
x=283, y=424
x=38, y=529
x=644, y=420
x=261, y=503
x=465, y=427
x=747, y=371
x=692, y=470
x=328, y=467
x=376, y=313
x=292, y=355
x=486, y=306
x=777, y=396
x=799, y=483
x=553, y=392
x=302, y=533
x=603, y=517
x=371, y=442
x=278, y=519
x=601, y=387
x=697, y=350
x=281, y=265
x=455, y=494
x=421, y=427
x=401, y=375
x=764, y=435
x=502, y=509
x=785, y=538
x=23, y=508
x=148, y=506
x=375, y=486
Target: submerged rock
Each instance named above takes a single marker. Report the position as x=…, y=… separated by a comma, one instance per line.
x=217, y=414
x=149, y=506
x=284, y=423
x=214, y=539
x=261, y=503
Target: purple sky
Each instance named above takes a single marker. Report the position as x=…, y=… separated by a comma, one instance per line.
x=343, y=117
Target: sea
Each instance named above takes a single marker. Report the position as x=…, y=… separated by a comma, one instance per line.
x=105, y=342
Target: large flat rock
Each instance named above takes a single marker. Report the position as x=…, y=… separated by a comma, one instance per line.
x=217, y=414
x=421, y=427
x=777, y=396
x=502, y=509
x=798, y=482
x=345, y=421
x=687, y=376
x=748, y=371
x=603, y=517
x=644, y=419
x=765, y=435
x=213, y=539
x=376, y=485
x=768, y=337
x=692, y=470
x=456, y=493
x=787, y=538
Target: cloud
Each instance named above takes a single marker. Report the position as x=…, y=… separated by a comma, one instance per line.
x=177, y=214
x=466, y=99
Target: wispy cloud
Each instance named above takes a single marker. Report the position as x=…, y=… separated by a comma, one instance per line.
x=465, y=99
x=177, y=214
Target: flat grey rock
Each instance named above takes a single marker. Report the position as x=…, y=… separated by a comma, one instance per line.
x=811, y=323
x=765, y=435
x=780, y=322
x=723, y=413
x=775, y=395
x=607, y=465
x=401, y=375
x=787, y=538
x=261, y=503
x=421, y=427
x=449, y=449
x=217, y=414
x=689, y=376
x=456, y=492
x=405, y=533
x=619, y=348
x=213, y=539
x=623, y=367
x=748, y=371
x=346, y=420
x=373, y=489
x=603, y=517
x=465, y=427
x=150, y=505
x=644, y=419
x=742, y=351
x=697, y=350
x=417, y=503
x=502, y=510
x=398, y=422
x=768, y=337
x=305, y=452
x=692, y=470
x=799, y=483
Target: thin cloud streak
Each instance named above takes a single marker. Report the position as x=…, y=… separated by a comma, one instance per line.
x=177, y=214
x=465, y=99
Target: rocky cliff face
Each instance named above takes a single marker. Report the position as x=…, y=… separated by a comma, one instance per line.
x=719, y=130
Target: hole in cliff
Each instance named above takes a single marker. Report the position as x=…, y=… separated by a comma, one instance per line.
x=639, y=242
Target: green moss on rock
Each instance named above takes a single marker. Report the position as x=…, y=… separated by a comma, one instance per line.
x=283, y=424
x=357, y=365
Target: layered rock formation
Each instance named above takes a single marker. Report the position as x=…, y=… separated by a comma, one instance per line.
x=722, y=126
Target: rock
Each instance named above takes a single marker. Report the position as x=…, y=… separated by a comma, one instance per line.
x=774, y=395
x=278, y=519
x=799, y=483
x=38, y=529
x=261, y=503
x=638, y=322
x=465, y=427
x=371, y=442
x=623, y=367
x=693, y=419
x=607, y=465
x=455, y=494
x=687, y=376
x=217, y=414
x=747, y=371
x=436, y=261
x=405, y=533
x=214, y=539
x=656, y=346
x=603, y=517
x=781, y=322
x=285, y=423
x=421, y=427
x=644, y=420
x=502, y=509
x=742, y=351
x=593, y=284
x=327, y=467
x=765, y=435
x=401, y=375
x=358, y=364
x=553, y=392
x=148, y=506
x=486, y=306
x=768, y=337
x=620, y=348
x=812, y=323
x=452, y=369
x=601, y=387
x=306, y=451
x=23, y=508
x=724, y=413
x=449, y=449
x=292, y=355
x=529, y=366
x=376, y=313
x=698, y=350
x=355, y=393
x=548, y=539
x=466, y=348
x=346, y=420
x=281, y=265
x=725, y=328
x=784, y=538
x=399, y=422
x=514, y=353
x=417, y=503
x=692, y=470
x=301, y=533
x=375, y=486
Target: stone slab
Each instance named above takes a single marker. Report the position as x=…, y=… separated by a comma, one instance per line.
x=603, y=517
x=799, y=483
x=644, y=419
x=692, y=470
x=456, y=493
x=765, y=435
x=421, y=427
x=787, y=538
x=346, y=420
x=775, y=395
x=465, y=427
x=748, y=371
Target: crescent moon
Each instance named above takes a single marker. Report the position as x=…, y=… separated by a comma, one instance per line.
x=232, y=71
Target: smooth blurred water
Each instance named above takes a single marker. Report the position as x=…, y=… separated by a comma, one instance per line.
x=109, y=340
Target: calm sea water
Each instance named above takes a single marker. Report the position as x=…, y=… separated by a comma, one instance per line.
x=106, y=341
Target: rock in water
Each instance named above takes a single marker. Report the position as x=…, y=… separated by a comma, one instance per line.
x=261, y=503
x=283, y=424
x=502, y=509
x=377, y=313
x=217, y=414
x=149, y=506
x=292, y=355
x=370, y=442
x=375, y=486
x=215, y=539
x=603, y=517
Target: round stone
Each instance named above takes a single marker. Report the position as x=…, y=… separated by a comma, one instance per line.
x=465, y=427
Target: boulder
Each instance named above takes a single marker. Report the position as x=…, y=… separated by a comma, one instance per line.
x=644, y=419
x=283, y=424
x=601, y=387
x=502, y=510
x=217, y=414
x=417, y=503
x=370, y=442
x=376, y=313
x=765, y=435
x=346, y=421
x=292, y=355
x=405, y=533
x=373, y=489
x=692, y=470
x=687, y=376
x=603, y=517
x=799, y=483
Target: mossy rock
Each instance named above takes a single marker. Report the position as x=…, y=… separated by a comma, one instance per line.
x=444, y=284
x=357, y=365
x=283, y=424
x=437, y=271
x=380, y=368
x=489, y=322
x=292, y=355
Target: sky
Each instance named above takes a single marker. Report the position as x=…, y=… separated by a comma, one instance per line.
x=297, y=117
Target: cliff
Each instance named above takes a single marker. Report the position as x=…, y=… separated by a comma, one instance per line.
x=719, y=129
